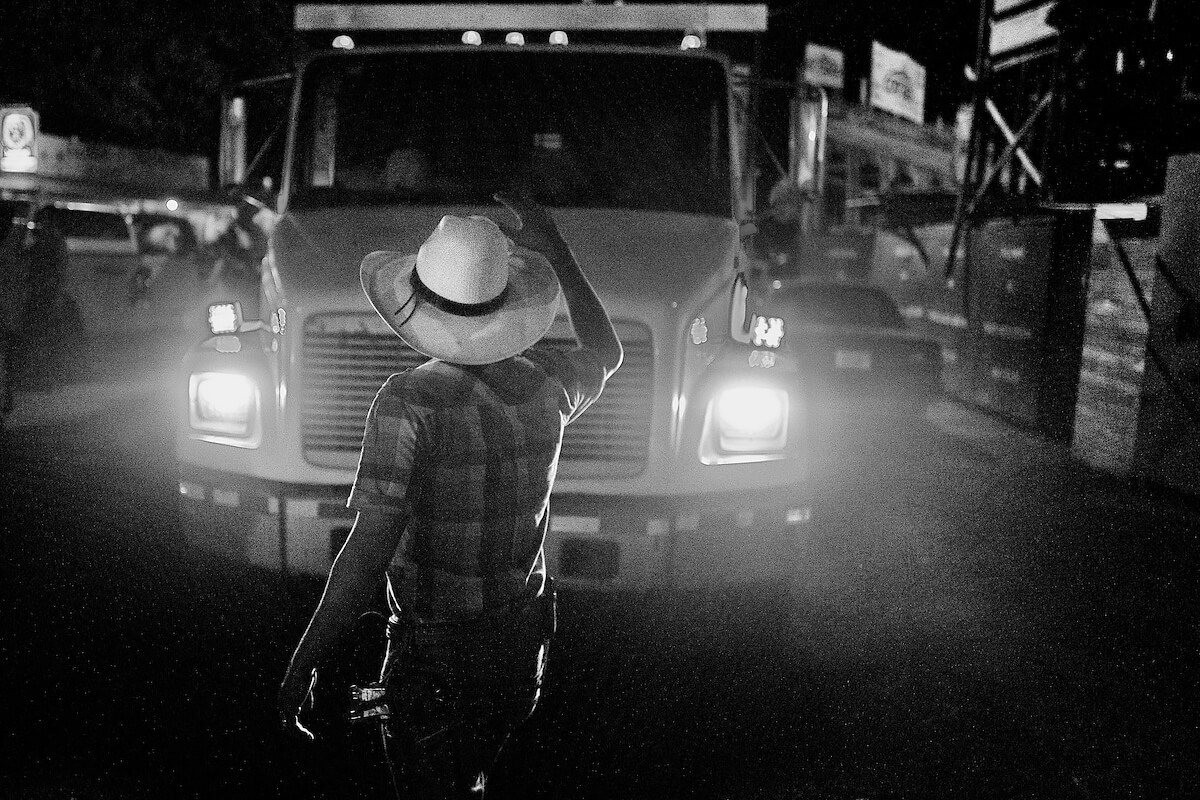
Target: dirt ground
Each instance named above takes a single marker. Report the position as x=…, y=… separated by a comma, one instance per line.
x=973, y=616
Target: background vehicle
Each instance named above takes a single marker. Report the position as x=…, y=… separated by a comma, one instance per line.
x=1045, y=246
x=102, y=258
x=90, y=255
x=129, y=288
x=698, y=436
x=855, y=352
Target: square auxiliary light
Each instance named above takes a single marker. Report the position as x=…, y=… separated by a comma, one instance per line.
x=224, y=317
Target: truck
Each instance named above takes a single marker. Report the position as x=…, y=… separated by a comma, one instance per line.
x=693, y=469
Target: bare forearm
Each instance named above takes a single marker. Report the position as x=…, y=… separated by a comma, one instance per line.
x=341, y=604
x=592, y=326
x=538, y=232
x=353, y=584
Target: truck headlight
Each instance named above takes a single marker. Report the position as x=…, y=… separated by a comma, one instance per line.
x=752, y=419
x=224, y=403
x=745, y=424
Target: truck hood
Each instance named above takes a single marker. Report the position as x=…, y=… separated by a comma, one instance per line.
x=652, y=259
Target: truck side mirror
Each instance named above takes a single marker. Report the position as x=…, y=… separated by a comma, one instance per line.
x=739, y=314
x=747, y=228
x=253, y=118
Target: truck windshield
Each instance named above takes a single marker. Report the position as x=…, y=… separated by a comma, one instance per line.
x=574, y=128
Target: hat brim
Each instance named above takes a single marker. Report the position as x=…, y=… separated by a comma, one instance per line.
x=530, y=304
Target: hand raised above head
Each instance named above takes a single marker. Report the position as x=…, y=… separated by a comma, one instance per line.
x=535, y=229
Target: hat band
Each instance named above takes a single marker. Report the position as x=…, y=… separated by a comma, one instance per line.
x=426, y=295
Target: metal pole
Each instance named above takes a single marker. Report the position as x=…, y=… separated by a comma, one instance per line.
x=1008, y=134
x=752, y=121
x=975, y=142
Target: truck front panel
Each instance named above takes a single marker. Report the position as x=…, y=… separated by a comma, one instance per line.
x=639, y=176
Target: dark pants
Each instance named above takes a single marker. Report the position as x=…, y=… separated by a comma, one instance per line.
x=456, y=692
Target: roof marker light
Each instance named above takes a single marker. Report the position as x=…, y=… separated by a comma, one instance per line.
x=343, y=42
x=515, y=37
x=691, y=42
x=558, y=37
x=472, y=37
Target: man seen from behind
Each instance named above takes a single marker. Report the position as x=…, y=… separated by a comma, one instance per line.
x=453, y=489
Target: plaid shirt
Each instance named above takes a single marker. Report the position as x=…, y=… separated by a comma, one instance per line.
x=468, y=454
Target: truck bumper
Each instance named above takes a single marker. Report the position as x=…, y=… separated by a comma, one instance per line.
x=594, y=542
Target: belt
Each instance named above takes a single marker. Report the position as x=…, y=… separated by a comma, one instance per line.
x=519, y=603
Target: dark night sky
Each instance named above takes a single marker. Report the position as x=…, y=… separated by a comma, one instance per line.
x=148, y=72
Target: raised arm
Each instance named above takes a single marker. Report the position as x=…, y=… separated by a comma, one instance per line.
x=536, y=231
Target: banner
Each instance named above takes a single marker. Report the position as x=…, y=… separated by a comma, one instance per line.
x=897, y=83
x=824, y=66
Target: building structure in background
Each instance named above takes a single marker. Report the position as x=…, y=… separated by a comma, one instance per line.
x=1030, y=244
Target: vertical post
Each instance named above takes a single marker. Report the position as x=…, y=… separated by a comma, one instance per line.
x=808, y=122
x=283, y=539
x=822, y=134
x=1167, y=447
x=231, y=163
x=973, y=176
x=1066, y=319
x=752, y=143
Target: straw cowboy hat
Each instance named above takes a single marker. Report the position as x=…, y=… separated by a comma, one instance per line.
x=468, y=296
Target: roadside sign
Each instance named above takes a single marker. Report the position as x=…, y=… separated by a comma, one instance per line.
x=18, y=139
x=824, y=66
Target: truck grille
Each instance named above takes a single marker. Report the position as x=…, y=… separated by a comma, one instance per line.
x=345, y=358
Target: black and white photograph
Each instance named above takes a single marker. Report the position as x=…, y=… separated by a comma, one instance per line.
x=794, y=400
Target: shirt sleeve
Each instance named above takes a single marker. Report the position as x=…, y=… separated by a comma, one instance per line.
x=394, y=430
x=578, y=371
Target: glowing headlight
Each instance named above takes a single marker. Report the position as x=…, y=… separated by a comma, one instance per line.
x=752, y=419
x=224, y=403
x=224, y=398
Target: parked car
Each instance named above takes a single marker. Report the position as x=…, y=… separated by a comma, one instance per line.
x=855, y=350
x=102, y=257
x=133, y=280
